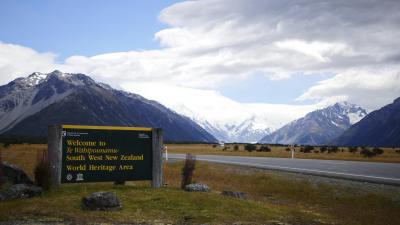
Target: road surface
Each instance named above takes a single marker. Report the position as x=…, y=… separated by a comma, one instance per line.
x=383, y=173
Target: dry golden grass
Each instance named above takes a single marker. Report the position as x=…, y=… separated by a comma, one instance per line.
x=389, y=154
x=296, y=195
x=274, y=196
x=24, y=155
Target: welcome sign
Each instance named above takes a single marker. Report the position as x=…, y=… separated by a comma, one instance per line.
x=104, y=153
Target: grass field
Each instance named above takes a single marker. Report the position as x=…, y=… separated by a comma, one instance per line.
x=389, y=155
x=273, y=197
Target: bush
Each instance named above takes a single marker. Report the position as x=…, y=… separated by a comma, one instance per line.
x=6, y=145
x=353, y=149
x=264, y=148
x=236, y=148
x=307, y=149
x=250, y=147
x=214, y=146
x=323, y=149
x=187, y=170
x=397, y=151
x=287, y=149
x=42, y=172
x=333, y=149
x=377, y=151
x=367, y=153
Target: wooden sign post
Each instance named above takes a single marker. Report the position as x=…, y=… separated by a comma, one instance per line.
x=79, y=154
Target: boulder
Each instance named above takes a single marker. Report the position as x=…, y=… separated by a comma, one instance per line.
x=197, y=187
x=20, y=191
x=234, y=194
x=14, y=174
x=101, y=201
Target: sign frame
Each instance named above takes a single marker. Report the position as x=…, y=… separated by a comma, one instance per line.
x=55, y=151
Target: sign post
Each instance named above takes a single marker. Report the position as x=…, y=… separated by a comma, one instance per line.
x=292, y=150
x=80, y=154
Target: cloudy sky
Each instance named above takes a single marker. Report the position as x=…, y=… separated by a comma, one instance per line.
x=278, y=53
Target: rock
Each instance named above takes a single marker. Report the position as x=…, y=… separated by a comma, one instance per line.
x=197, y=187
x=234, y=194
x=20, y=191
x=101, y=201
x=14, y=174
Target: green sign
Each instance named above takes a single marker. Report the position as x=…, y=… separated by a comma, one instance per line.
x=103, y=153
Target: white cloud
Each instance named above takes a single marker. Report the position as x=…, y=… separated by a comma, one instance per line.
x=217, y=109
x=371, y=88
x=17, y=61
x=211, y=41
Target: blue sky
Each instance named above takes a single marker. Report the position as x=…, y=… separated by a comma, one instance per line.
x=93, y=27
x=249, y=51
x=76, y=27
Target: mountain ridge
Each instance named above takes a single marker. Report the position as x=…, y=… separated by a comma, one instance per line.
x=318, y=127
x=28, y=105
x=380, y=128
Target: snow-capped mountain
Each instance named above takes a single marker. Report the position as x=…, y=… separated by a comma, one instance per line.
x=380, y=128
x=28, y=105
x=249, y=130
x=319, y=127
x=240, y=123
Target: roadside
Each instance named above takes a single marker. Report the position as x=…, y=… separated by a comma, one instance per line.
x=273, y=198
x=310, y=152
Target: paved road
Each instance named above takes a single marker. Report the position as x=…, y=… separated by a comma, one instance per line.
x=384, y=173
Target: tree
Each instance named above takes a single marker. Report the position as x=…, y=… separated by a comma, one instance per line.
x=377, y=151
x=250, y=147
x=367, y=153
x=264, y=148
x=353, y=149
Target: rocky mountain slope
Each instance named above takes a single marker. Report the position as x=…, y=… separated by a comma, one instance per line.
x=379, y=128
x=28, y=105
x=319, y=127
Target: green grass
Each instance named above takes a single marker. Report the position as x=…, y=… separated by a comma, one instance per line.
x=140, y=203
x=273, y=196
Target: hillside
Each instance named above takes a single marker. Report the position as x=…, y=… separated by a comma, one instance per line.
x=29, y=105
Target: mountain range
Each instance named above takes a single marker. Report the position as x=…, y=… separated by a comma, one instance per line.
x=28, y=105
x=380, y=128
x=319, y=127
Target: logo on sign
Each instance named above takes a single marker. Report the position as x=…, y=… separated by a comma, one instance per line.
x=142, y=135
x=79, y=177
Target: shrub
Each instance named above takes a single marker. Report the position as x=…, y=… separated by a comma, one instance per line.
x=353, y=149
x=323, y=149
x=236, y=147
x=42, y=172
x=367, y=153
x=377, y=151
x=333, y=149
x=287, y=149
x=250, y=147
x=6, y=145
x=397, y=151
x=264, y=148
x=214, y=146
x=188, y=169
x=307, y=149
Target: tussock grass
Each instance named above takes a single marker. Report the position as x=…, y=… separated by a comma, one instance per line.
x=299, y=197
x=389, y=154
x=273, y=196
